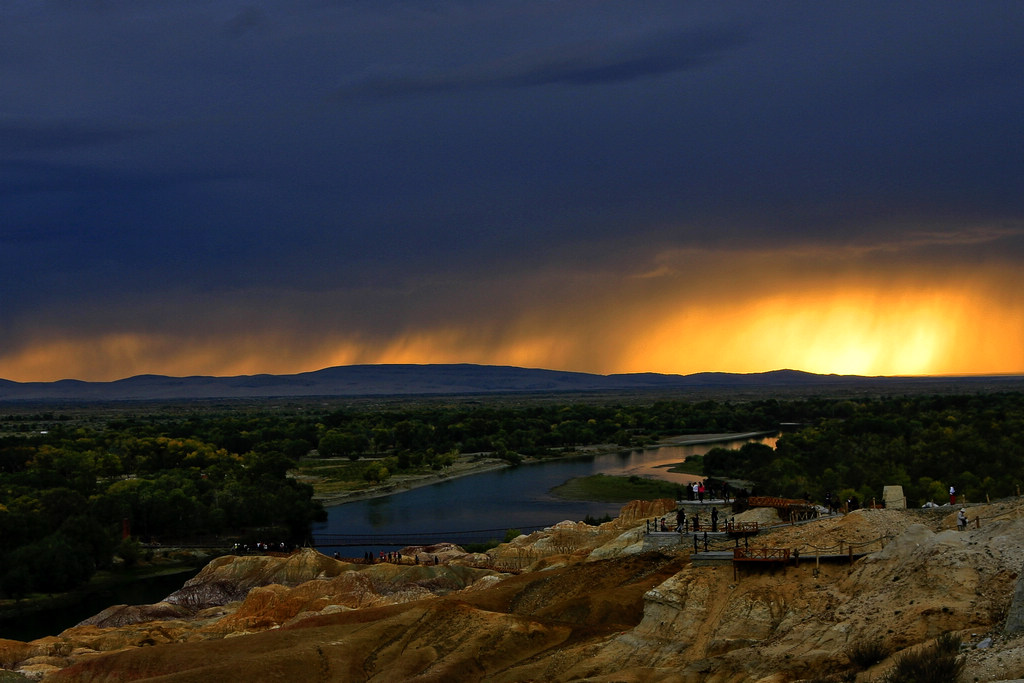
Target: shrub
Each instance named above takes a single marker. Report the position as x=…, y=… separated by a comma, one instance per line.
x=939, y=663
x=511, y=457
x=866, y=654
x=481, y=547
x=948, y=644
x=129, y=550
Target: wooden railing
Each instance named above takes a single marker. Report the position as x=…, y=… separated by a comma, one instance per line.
x=761, y=554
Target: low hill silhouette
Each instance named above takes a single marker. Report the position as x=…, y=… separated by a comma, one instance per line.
x=456, y=379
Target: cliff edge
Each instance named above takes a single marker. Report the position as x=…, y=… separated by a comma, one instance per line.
x=577, y=602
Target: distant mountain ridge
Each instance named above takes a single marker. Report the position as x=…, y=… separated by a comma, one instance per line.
x=439, y=379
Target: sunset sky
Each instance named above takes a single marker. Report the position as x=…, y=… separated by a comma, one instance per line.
x=220, y=188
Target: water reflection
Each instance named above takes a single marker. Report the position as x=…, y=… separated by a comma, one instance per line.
x=502, y=499
x=655, y=463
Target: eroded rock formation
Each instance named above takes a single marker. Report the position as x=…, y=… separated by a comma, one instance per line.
x=573, y=602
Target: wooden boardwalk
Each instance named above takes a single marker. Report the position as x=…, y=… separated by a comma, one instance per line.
x=706, y=503
x=729, y=529
x=768, y=557
x=776, y=555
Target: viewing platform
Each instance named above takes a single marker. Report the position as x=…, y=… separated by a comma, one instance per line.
x=707, y=502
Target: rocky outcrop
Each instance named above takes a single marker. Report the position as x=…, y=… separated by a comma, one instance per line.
x=637, y=511
x=583, y=603
x=709, y=625
x=123, y=615
x=230, y=578
x=12, y=652
x=1015, y=615
x=437, y=553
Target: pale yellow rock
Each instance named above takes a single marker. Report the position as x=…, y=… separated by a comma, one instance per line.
x=575, y=602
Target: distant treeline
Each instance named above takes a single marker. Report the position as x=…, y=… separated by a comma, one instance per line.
x=70, y=489
x=532, y=430
x=926, y=444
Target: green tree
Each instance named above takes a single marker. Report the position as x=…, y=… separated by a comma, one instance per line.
x=91, y=537
x=17, y=582
x=338, y=444
x=129, y=550
x=56, y=563
x=376, y=472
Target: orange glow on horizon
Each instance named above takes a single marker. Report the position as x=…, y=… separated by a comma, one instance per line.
x=840, y=333
x=862, y=332
x=692, y=312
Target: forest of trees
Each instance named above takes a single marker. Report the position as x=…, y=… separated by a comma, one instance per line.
x=924, y=444
x=67, y=495
x=69, y=482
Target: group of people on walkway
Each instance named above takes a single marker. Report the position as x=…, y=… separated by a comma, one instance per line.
x=393, y=557
x=697, y=491
x=660, y=524
x=260, y=548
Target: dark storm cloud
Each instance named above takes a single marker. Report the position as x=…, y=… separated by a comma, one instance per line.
x=325, y=166
x=586, y=63
x=18, y=137
x=24, y=178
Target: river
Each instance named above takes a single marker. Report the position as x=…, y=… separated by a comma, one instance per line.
x=511, y=498
x=52, y=620
x=489, y=503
